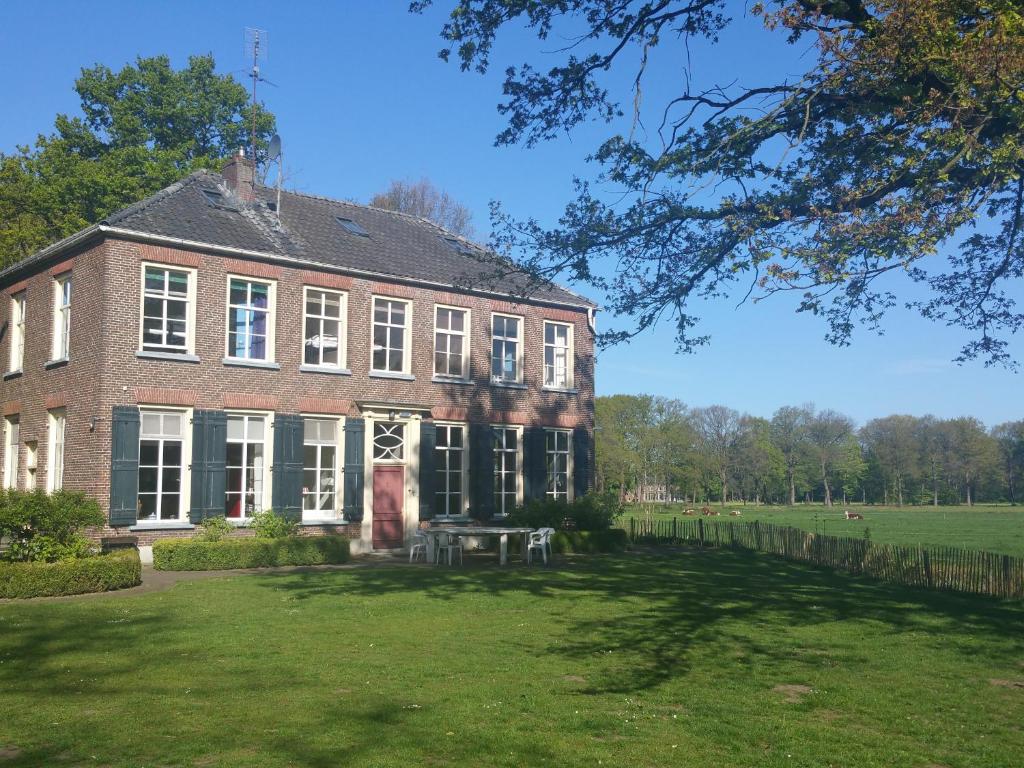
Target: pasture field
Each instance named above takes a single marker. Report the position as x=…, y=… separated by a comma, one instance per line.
x=688, y=658
x=993, y=528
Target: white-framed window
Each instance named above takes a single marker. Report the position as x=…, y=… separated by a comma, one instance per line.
x=12, y=448
x=321, y=495
x=247, y=464
x=450, y=468
x=388, y=441
x=168, y=309
x=506, y=349
x=31, y=464
x=162, y=441
x=558, y=354
x=250, y=327
x=451, y=341
x=57, y=426
x=508, y=465
x=391, y=322
x=17, y=357
x=557, y=443
x=324, y=321
x=61, y=318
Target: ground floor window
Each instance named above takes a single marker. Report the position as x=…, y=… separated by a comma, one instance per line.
x=161, y=465
x=246, y=465
x=320, y=468
x=557, y=457
x=12, y=445
x=449, y=483
x=506, y=469
x=55, y=451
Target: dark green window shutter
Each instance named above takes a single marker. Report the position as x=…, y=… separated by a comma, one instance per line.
x=481, y=471
x=209, y=457
x=581, y=460
x=535, y=475
x=428, y=444
x=286, y=491
x=198, y=470
x=354, y=459
x=124, y=465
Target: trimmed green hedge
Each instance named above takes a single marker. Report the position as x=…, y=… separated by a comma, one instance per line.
x=100, y=573
x=195, y=555
x=589, y=542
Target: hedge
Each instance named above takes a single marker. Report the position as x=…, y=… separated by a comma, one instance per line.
x=589, y=542
x=100, y=573
x=195, y=555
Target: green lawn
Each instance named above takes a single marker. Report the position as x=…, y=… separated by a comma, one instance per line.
x=994, y=528
x=689, y=659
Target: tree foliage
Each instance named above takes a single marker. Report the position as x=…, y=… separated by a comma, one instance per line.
x=901, y=136
x=425, y=200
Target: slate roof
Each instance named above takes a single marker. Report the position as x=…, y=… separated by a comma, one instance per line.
x=396, y=244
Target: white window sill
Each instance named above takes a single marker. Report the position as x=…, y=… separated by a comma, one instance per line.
x=507, y=384
x=392, y=375
x=324, y=369
x=332, y=521
x=178, y=357
x=55, y=363
x=438, y=379
x=241, y=362
x=563, y=390
x=451, y=519
x=162, y=525
x=239, y=522
x=12, y=374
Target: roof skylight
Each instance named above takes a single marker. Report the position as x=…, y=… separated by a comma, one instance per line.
x=218, y=200
x=352, y=227
x=457, y=245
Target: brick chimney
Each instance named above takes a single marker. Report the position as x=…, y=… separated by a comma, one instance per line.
x=239, y=173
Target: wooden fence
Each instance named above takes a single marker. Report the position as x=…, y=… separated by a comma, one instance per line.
x=945, y=568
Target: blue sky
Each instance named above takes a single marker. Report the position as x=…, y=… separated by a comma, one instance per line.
x=362, y=98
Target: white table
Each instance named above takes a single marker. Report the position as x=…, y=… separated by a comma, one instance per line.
x=478, y=530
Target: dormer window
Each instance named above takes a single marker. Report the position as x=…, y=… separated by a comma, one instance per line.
x=352, y=227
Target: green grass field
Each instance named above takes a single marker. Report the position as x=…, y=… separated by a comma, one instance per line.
x=993, y=528
x=690, y=659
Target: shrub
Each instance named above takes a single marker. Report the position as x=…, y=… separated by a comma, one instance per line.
x=197, y=555
x=593, y=512
x=117, y=570
x=270, y=525
x=40, y=526
x=589, y=542
x=214, y=528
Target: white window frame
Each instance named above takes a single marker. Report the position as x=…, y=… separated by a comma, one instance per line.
x=190, y=308
x=499, y=510
x=390, y=426
x=315, y=516
x=466, y=335
x=570, y=355
x=19, y=305
x=463, y=470
x=56, y=440
x=406, y=336
x=548, y=493
x=342, y=319
x=520, y=358
x=266, y=497
x=12, y=449
x=60, y=349
x=31, y=464
x=271, y=318
x=185, y=503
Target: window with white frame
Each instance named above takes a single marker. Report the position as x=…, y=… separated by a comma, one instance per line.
x=451, y=342
x=17, y=350
x=507, y=464
x=324, y=328
x=556, y=454
x=557, y=355
x=506, y=349
x=250, y=319
x=161, y=465
x=55, y=450
x=388, y=441
x=12, y=446
x=320, y=468
x=450, y=470
x=61, y=318
x=31, y=464
x=167, y=316
x=246, y=465
x=390, y=335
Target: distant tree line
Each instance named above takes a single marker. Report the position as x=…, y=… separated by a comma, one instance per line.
x=655, y=447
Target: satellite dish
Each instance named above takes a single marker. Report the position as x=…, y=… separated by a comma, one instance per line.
x=274, y=151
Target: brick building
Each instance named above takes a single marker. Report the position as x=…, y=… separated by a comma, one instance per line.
x=210, y=352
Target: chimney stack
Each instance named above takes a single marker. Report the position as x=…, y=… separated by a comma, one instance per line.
x=240, y=175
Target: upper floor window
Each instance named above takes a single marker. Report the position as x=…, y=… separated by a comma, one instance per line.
x=390, y=335
x=61, y=318
x=250, y=319
x=449, y=463
x=506, y=349
x=246, y=465
x=12, y=446
x=557, y=355
x=324, y=328
x=17, y=358
x=161, y=465
x=320, y=468
x=167, y=317
x=557, y=459
x=451, y=342
x=55, y=450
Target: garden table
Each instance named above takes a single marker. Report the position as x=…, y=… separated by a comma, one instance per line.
x=480, y=530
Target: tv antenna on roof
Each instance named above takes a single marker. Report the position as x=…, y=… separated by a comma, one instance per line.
x=255, y=49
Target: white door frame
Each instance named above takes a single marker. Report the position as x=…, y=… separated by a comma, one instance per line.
x=411, y=462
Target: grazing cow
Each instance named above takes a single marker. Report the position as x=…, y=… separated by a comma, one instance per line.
x=853, y=515
x=709, y=512
x=689, y=512
x=736, y=513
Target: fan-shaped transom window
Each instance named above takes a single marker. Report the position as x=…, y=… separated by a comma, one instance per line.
x=388, y=441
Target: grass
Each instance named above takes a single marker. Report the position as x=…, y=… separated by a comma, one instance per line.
x=993, y=528
x=688, y=659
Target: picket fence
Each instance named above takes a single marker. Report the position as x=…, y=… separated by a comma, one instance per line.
x=943, y=568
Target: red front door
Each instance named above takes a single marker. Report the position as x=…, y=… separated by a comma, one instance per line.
x=388, y=493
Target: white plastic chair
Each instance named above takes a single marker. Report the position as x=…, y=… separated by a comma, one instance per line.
x=539, y=540
x=448, y=544
x=419, y=546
